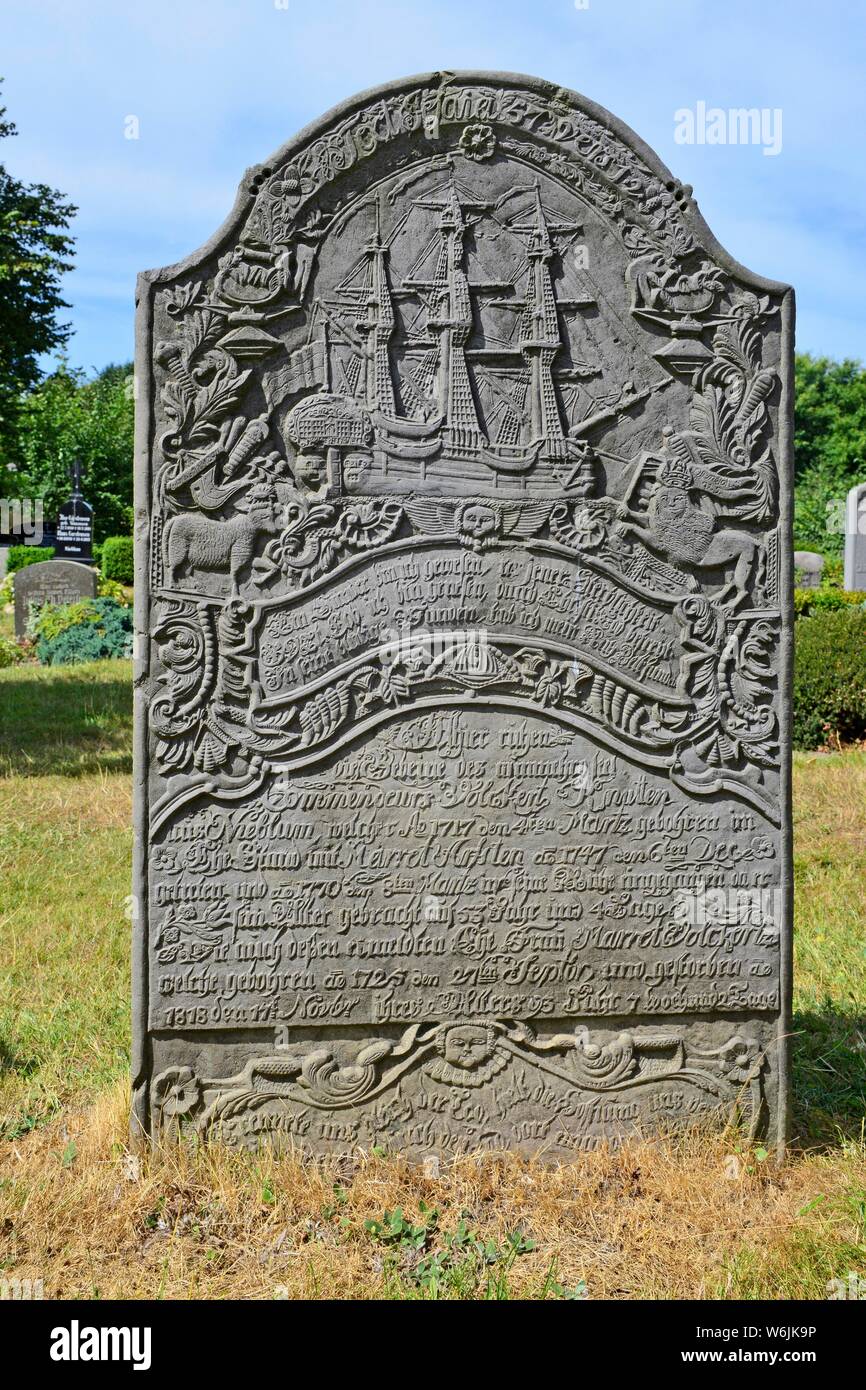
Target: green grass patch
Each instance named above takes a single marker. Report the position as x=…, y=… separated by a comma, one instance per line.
x=66, y=721
x=65, y=848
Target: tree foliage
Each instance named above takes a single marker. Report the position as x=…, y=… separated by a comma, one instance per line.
x=68, y=417
x=35, y=247
x=829, y=445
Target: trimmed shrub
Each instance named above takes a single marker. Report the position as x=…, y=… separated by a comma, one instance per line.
x=21, y=555
x=87, y=631
x=117, y=559
x=830, y=678
x=825, y=600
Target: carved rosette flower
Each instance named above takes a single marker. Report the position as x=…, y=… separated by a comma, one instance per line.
x=176, y=1094
x=477, y=141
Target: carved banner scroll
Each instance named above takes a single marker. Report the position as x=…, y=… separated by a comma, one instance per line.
x=463, y=639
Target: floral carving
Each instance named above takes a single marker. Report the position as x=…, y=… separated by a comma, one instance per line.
x=477, y=141
x=176, y=1094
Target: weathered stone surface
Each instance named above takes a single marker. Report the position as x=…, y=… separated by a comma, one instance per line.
x=855, y=539
x=808, y=569
x=464, y=583
x=50, y=581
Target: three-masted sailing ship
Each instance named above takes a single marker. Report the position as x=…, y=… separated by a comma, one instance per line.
x=428, y=410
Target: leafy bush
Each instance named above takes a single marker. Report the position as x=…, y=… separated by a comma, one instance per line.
x=21, y=555
x=834, y=572
x=86, y=631
x=827, y=599
x=117, y=559
x=109, y=588
x=830, y=678
x=10, y=653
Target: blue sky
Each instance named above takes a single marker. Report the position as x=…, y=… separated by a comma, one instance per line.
x=217, y=85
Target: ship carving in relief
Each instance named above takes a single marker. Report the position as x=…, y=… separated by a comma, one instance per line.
x=472, y=363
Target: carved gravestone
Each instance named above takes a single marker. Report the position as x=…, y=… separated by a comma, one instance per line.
x=49, y=581
x=855, y=539
x=464, y=582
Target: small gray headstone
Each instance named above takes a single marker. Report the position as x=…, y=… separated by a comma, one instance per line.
x=808, y=569
x=50, y=581
x=855, y=539
x=464, y=609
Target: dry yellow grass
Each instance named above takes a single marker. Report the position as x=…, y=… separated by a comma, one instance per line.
x=673, y=1220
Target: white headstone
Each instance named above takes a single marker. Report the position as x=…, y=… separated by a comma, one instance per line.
x=855, y=539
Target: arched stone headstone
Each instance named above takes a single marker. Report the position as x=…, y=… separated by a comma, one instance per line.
x=49, y=581
x=464, y=582
x=808, y=569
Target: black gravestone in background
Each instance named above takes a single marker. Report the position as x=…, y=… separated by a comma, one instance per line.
x=74, y=539
x=464, y=627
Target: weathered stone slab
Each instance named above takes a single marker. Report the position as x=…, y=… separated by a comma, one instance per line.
x=808, y=569
x=50, y=581
x=463, y=597
x=855, y=539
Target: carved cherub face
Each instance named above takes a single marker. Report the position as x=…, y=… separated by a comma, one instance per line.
x=478, y=520
x=466, y=1046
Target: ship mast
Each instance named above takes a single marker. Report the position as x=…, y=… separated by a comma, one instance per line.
x=378, y=326
x=539, y=335
x=451, y=321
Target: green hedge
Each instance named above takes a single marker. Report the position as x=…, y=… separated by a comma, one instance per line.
x=21, y=555
x=825, y=599
x=830, y=677
x=117, y=559
x=86, y=631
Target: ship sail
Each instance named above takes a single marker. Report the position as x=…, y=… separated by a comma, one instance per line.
x=450, y=421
